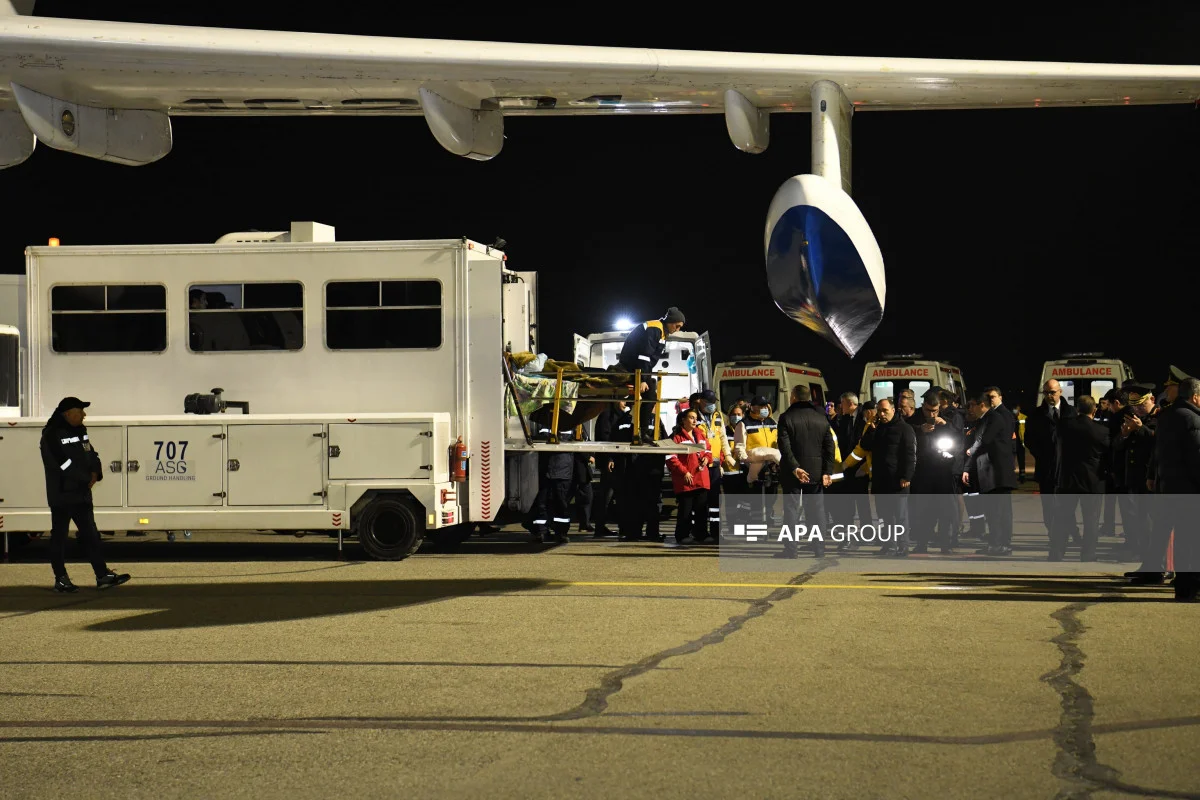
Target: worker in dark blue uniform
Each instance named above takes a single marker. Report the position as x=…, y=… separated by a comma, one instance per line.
x=643, y=349
x=550, y=516
x=72, y=469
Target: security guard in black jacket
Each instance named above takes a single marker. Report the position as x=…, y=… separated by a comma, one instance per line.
x=72, y=469
x=643, y=349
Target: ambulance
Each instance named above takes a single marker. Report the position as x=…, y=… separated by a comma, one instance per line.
x=1082, y=374
x=748, y=376
x=896, y=373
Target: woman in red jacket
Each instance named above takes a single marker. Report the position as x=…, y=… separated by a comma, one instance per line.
x=689, y=475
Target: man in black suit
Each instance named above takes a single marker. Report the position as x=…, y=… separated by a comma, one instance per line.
x=1086, y=452
x=806, y=465
x=893, y=464
x=990, y=465
x=1177, y=483
x=1041, y=437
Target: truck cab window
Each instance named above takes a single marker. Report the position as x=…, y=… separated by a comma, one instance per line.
x=383, y=315
x=98, y=318
x=239, y=317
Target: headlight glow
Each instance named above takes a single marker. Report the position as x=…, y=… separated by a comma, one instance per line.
x=944, y=443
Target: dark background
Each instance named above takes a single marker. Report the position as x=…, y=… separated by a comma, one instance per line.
x=1009, y=236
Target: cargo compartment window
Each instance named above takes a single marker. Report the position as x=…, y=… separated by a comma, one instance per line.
x=98, y=318
x=240, y=317
x=383, y=315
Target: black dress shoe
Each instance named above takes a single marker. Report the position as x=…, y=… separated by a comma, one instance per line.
x=64, y=585
x=111, y=579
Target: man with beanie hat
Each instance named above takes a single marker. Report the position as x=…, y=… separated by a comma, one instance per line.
x=644, y=347
x=72, y=468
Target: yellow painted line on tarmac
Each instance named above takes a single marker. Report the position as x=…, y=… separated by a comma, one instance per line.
x=805, y=586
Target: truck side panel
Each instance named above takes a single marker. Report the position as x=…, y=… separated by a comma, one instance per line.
x=313, y=379
x=482, y=332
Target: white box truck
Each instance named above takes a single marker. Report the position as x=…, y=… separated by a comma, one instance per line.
x=357, y=366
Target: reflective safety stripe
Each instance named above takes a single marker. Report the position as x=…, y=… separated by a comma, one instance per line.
x=838, y=476
x=733, y=472
x=561, y=519
x=715, y=508
x=626, y=425
x=66, y=464
x=972, y=494
x=85, y=437
x=856, y=458
x=976, y=516
x=644, y=358
x=539, y=522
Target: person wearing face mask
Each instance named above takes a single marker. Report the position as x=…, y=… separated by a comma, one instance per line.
x=711, y=424
x=72, y=468
x=761, y=428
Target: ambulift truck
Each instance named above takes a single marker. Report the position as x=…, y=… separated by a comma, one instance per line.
x=357, y=367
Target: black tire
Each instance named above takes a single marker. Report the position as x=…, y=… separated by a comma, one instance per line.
x=391, y=527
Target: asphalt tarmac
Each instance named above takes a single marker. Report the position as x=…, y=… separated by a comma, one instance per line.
x=260, y=665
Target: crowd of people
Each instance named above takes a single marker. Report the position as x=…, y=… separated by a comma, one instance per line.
x=935, y=467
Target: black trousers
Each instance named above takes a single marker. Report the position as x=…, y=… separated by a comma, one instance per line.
x=610, y=490
x=998, y=508
x=1047, y=488
x=692, y=513
x=1064, y=524
x=811, y=501
x=930, y=511
x=640, y=495
x=714, y=503
x=647, y=419
x=1019, y=452
x=893, y=510
x=551, y=507
x=581, y=492
x=60, y=521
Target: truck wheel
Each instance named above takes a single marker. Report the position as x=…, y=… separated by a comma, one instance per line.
x=391, y=528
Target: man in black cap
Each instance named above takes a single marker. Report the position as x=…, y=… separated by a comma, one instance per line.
x=72, y=469
x=643, y=349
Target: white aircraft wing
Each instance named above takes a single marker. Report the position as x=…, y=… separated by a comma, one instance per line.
x=186, y=70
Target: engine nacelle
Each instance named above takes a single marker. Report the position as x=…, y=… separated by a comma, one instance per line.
x=824, y=267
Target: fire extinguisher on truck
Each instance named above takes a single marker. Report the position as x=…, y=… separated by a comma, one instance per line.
x=458, y=462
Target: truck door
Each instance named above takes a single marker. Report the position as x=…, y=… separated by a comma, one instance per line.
x=380, y=451
x=276, y=465
x=110, y=446
x=583, y=351
x=175, y=465
x=704, y=366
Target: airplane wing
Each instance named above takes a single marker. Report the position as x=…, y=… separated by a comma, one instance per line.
x=187, y=70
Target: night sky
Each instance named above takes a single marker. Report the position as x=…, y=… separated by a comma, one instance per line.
x=1009, y=237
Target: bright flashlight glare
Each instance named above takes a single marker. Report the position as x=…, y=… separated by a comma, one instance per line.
x=623, y=324
x=944, y=443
